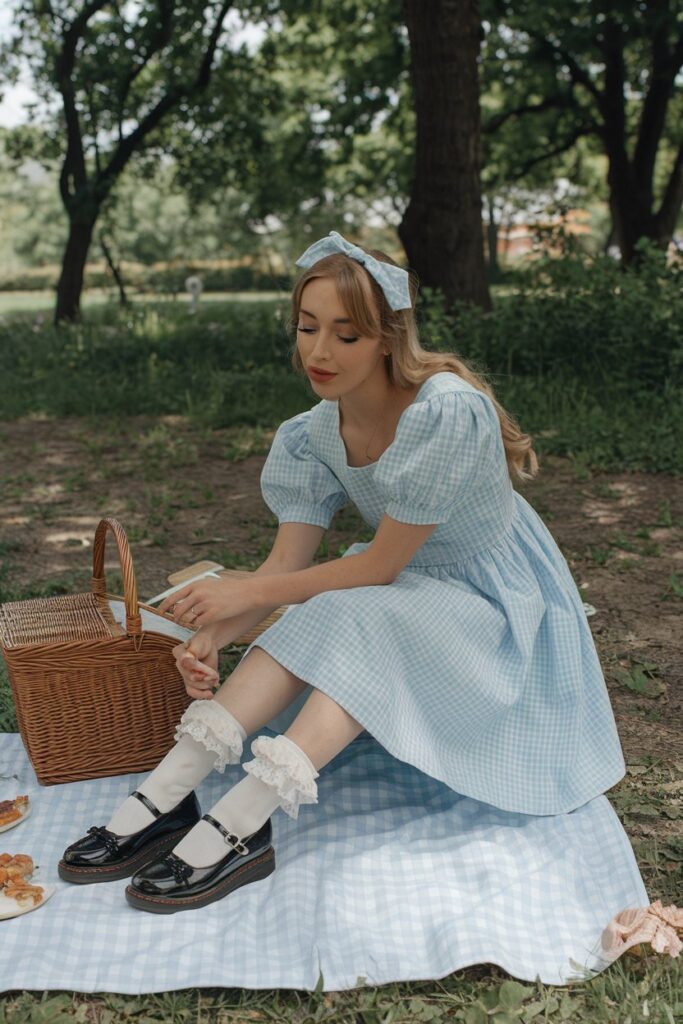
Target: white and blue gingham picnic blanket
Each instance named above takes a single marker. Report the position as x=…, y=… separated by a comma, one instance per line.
x=392, y=876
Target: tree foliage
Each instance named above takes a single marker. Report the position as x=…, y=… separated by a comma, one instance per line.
x=565, y=71
x=117, y=72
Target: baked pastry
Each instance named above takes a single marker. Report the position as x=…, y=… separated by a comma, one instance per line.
x=25, y=894
x=15, y=869
x=12, y=811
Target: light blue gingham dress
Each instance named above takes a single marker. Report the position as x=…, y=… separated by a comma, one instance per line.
x=476, y=664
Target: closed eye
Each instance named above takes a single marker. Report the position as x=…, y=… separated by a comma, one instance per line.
x=310, y=330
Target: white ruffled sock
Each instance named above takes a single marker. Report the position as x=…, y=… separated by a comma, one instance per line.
x=281, y=774
x=208, y=736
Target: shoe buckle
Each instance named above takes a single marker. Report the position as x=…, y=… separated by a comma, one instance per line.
x=235, y=843
x=231, y=840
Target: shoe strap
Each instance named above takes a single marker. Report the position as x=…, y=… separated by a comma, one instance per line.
x=147, y=802
x=232, y=840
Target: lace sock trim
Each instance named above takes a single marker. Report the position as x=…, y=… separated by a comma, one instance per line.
x=280, y=763
x=215, y=728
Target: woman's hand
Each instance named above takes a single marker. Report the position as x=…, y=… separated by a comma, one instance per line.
x=207, y=601
x=197, y=662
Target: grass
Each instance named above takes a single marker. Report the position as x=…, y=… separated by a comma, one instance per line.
x=230, y=365
x=622, y=995
x=42, y=303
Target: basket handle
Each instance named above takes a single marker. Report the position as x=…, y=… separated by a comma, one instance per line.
x=130, y=588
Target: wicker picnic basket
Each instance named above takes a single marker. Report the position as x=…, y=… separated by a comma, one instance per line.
x=93, y=696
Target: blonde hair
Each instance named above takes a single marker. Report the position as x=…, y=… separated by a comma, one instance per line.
x=408, y=363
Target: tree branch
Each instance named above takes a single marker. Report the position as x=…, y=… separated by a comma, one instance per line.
x=672, y=200
x=559, y=101
x=578, y=74
x=665, y=67
x=73, y=166
x=613, y=96
x=204, y=73
x=562, y=147
x=159, y=40
x=130, y=143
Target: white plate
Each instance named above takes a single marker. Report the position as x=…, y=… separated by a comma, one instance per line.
x=10, y=908
x=3, y=828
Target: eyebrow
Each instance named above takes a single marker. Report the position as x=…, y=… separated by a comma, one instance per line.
x=339, y=319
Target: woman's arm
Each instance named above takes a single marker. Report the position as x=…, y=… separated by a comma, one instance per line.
x=231, y=606
x=294, y=547
x=392, y=547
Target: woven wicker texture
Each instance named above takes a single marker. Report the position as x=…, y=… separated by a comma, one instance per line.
x=94, y=699
x=67, y=617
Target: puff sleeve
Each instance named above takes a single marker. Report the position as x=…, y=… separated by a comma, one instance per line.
x=441, y=449
x=296, y=485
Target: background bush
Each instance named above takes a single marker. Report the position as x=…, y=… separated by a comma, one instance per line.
x=587, y=356
x=577, y=318
x=159, y=278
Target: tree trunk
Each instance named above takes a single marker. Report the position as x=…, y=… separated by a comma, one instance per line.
x=631, y=219
x=631, y=202
x=492, y=241
x=70, y=283
x=441, y=229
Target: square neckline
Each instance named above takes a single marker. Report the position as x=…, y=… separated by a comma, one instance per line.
x=370, y=465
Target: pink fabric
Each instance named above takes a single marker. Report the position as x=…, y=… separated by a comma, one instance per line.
x=658, y=925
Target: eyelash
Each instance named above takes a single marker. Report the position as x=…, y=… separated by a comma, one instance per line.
x=309, y=330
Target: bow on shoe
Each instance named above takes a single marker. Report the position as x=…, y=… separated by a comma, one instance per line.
x=107, y=837
x=181, y=870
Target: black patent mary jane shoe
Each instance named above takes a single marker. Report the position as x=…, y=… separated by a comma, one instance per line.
x=102, y=856
x=171, y=884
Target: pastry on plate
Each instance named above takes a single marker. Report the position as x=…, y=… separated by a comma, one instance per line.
x=17, y=894
x=13, y=811
x=14, y=867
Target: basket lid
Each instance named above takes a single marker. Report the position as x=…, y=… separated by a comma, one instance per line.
x=59, y=619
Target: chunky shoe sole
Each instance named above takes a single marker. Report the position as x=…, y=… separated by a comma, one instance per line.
x=260, y=867
x=123, y=868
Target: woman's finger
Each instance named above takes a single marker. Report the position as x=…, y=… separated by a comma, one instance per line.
x=193, y=664
x=192, y=667
x=173, y=599
x=201, y=673
x=197, y=678
x=198, y=694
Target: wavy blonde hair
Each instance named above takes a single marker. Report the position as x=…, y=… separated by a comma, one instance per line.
x=407, y=363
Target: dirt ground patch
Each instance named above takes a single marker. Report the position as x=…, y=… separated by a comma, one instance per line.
x=184, y=494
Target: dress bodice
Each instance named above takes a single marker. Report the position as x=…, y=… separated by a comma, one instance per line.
x=476, y=495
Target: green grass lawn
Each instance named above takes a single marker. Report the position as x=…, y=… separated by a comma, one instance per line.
x=13, y=303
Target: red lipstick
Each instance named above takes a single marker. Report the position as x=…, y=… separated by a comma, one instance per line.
x=320, y=375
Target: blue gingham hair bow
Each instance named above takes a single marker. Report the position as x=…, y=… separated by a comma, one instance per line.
x=392, y=280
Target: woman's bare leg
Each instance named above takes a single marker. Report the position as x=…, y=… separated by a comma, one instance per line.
x=258, y=690
x=322, y=728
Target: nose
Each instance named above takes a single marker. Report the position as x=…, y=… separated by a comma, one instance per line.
x=320, y=353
